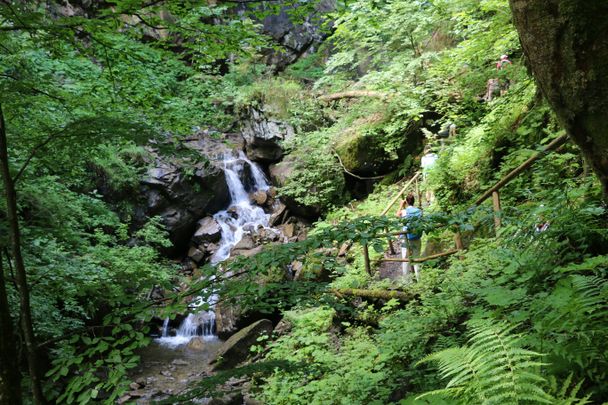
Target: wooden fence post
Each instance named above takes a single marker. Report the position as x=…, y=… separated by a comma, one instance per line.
x=390, y=242
x=458, y=240
x=496, y=204
x=366, y=259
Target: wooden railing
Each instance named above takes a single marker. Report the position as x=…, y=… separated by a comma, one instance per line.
x=493, y=192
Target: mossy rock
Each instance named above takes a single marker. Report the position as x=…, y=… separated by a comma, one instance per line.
x=236, y=349
x=365, y=150
x=362, y=153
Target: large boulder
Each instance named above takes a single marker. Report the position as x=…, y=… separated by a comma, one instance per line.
x=181, y=199
x=208, y=230
x=281, y=174
x=264, y=135
x=236, y=349
x=364, y=148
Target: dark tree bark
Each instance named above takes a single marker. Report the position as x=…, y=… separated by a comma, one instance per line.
x=566, y=44
x=10, y=380
x=20, y=274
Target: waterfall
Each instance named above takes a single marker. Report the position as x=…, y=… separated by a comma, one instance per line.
x=240, y=217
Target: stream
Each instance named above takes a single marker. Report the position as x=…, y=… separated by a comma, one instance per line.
x=179, y=357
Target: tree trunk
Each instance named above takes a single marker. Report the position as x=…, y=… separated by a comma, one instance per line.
x=566, y=45
x=10, y=380
x=20, y=274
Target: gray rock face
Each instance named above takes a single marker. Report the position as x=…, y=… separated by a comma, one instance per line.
x=180, y=200
x=226, y=318
x=297, y=40
x=263, y=136
x=236, y=349
x=208, y=230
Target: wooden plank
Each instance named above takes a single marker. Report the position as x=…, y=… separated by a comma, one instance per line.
x=421, y=259
x=458, y=241
x=394, y=200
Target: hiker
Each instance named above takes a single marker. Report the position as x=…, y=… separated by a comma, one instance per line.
x=504, y=61
x=497, y=85
x=542, y=225
x=426, y=163
x=411, y=242
x=503, y=81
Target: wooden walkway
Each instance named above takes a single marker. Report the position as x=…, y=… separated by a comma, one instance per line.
x=391, y=270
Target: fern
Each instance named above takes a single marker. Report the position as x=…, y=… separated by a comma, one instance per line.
x=493, y=368
x=561, y=395
x=576, y=322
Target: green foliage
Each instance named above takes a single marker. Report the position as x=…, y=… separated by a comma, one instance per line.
x=494, y=368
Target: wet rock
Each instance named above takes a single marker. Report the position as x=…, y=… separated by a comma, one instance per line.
x=265, y=235
x=263, y=136
x=188, y=266
x=165, y=373
x=215, y=144
x=236, y=349
x=288, y=230
x=208, y=230
x=248, y=252
x=209, y=248
x=226, y=318
x=124, y=399
x=196, y=343
x=278, y=213
x=248, y=400
x=272, y=192
x=196, y=254
x=134, y=386
x=245, y=244
x=179, y=362
x=259, y=197
x=282, y=328
x=233, y=398
x=180, y=199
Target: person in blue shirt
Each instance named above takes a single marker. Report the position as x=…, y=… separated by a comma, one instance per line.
x=411, y=242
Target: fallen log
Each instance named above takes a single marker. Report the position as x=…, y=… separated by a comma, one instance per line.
x=383, y=294
x=353, y=94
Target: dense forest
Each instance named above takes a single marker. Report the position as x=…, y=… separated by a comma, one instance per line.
x=304, y=202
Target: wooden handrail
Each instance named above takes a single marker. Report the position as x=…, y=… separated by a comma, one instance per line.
x=556, y=143
x=394, y=200
x=492, y=191
x=420, y=259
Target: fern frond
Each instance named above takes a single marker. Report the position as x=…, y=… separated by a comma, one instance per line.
x=561, y=395
x=493, y=368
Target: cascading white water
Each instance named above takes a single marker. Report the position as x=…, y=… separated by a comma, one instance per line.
x=241, y=217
